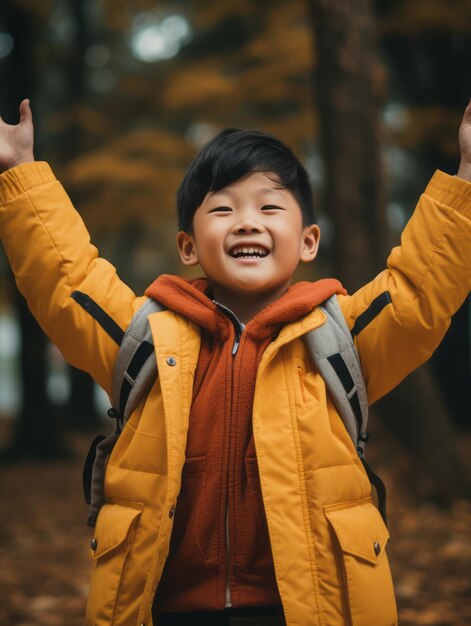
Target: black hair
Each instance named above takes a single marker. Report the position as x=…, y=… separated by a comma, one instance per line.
x=233, y=154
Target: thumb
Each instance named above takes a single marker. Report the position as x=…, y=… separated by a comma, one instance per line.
x=26, y=117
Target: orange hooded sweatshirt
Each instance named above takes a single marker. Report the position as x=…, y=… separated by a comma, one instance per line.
x=220, y=549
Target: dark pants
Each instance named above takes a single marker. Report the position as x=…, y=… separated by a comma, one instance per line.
x=249, y=616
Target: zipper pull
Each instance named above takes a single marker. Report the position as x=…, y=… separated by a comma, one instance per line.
x=235, y=347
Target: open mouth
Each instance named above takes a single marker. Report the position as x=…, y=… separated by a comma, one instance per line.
x=248, y=252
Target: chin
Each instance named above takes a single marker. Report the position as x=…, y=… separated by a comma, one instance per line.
x=250, y=285
x=252, y=288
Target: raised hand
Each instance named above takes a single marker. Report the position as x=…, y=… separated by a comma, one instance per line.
x=465, y=145
x=16, y=140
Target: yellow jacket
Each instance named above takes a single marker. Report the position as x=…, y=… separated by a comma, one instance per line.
x=327, y=538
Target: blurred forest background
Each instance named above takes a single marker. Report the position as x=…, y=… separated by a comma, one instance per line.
x=369, y=94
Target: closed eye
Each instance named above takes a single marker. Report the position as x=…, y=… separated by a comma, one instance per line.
x=272, y=207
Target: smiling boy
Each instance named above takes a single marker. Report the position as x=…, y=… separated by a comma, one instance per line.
x=256, y=212
x=250, y=238
x=234, y=494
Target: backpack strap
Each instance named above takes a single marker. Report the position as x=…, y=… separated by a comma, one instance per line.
x=134, y=372
x=336, y=359
x=94, y=474
x=135, y=369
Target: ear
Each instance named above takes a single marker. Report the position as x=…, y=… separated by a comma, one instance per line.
x=310, y=243
x=187, y=248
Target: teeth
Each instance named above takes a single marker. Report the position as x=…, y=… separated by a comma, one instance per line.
x=249, y=250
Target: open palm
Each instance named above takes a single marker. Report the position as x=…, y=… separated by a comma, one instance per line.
x=16, y=140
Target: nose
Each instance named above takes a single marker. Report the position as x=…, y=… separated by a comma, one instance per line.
x=247, y=223
x=248, y=229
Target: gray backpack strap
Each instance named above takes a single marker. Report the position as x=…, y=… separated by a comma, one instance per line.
x=134, y=372
x=96, y=489
x=335, y=357
x=135, y=369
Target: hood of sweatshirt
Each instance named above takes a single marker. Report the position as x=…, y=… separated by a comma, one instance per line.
x=190, y=298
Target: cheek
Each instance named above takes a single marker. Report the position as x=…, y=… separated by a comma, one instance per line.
x=289, y=242
x=209, y=230
x=210, y=249
x=203, y=242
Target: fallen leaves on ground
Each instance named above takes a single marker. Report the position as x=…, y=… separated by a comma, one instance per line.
x=45, y=560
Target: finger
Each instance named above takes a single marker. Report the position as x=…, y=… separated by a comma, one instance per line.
x=26, y=117
x=466, y=116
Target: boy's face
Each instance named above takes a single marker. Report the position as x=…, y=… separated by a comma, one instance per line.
x=249, y=238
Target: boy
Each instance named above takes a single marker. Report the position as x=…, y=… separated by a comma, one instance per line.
x=234, y=494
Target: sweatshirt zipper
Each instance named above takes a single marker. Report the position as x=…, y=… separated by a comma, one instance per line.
x=238, y=327
x=235, y=348
x=228, y=602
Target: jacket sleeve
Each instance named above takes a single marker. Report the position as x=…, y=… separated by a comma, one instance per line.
x=399, y=318
x=60, y=273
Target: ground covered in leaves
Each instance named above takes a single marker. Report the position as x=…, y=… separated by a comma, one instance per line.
x=44, y=557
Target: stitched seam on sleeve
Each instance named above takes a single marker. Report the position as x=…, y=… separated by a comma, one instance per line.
x=404, y=327
x=464, y=198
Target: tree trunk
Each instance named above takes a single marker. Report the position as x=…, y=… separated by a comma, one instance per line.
x=82, y=412
x=37, y=433
x=38, y=429
x=349, y=89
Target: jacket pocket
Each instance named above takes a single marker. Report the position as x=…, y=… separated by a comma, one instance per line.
x=301, y=383
x=359, y=538
x=111, y=545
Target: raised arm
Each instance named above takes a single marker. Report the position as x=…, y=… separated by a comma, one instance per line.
x=398, y=319
x=70, y=290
